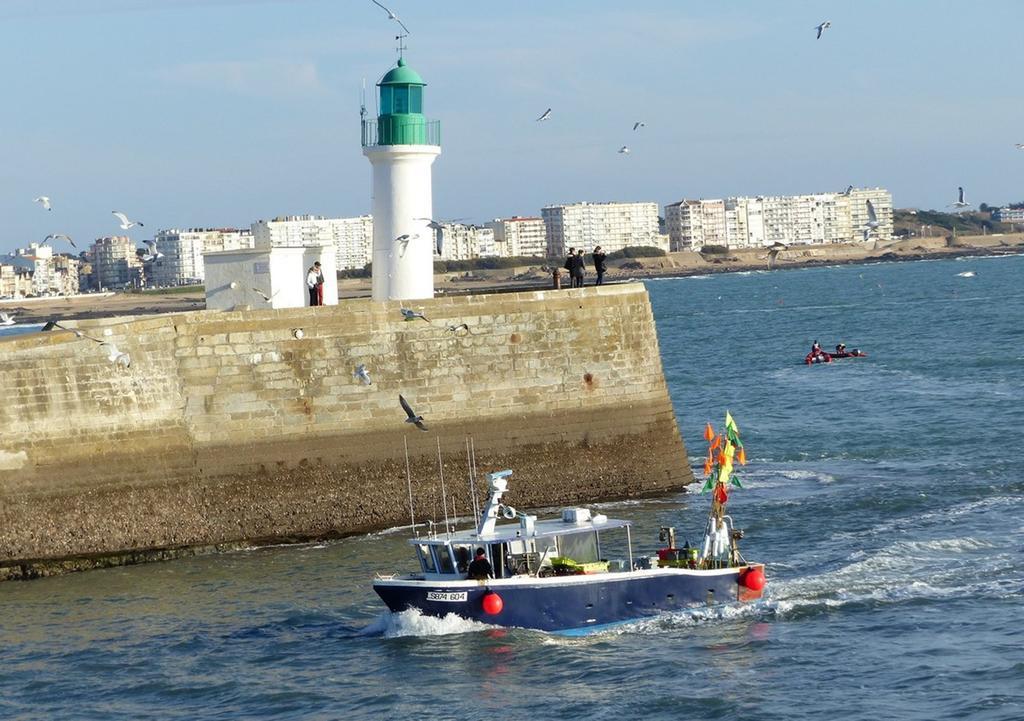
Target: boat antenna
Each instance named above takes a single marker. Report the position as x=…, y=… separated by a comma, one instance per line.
x=408, y=483
x=444, y=496
x=472, y=496
x=476, y=499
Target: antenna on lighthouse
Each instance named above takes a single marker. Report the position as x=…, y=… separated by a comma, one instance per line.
x=362, y=102
x=401, y=44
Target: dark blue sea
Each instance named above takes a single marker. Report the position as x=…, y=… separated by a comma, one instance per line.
x=886, y=495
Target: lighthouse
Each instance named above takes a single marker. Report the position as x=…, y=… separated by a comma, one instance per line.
x=401, y=146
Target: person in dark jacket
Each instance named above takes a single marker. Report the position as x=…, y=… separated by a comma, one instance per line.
x=579, y=269
x=480, y=568
x=599, y=264
x=569, y=260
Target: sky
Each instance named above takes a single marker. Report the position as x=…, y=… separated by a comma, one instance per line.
x=216, y=113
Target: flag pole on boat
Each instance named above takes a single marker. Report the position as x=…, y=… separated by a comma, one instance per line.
x=408, y=483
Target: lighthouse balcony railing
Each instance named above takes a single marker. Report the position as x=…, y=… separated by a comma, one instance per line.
x=401, y=131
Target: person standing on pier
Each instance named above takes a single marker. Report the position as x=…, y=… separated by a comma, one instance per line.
x=313, y=283
x=599, y=264
x=579, y=269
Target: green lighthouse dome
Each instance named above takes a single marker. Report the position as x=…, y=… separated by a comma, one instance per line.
x=401, y=120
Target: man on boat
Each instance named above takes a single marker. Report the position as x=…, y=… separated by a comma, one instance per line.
x=480, y=568
x=841, y=349
x=817, y=355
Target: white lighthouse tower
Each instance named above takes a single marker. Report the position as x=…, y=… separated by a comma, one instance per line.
x=401, y=145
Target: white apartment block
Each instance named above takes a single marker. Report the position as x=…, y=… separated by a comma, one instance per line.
x=38, y=271
x=465, y=242
x=517, y=237
x=613, y=226
x=183, y=250
x=794, y=220
x=115, y=263
x=351, y=238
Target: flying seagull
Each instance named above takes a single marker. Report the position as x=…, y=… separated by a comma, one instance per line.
x=6, y=318
x=438, y=229
x=413, y=418
x=849, y=189
x=59, y=236
x=457, y=328
x=44, y=201
x=872, y=220
x=362, y=375
x=639, y=124
x=153, y=252
x=773, y=252
x=960, y=202
x=624, y=150
x=391, y=15
x=125, y=223
x=545, y=115
x=410, y=314
x=116, y=356
x=264, y=296
x=1019, y=146
x=822, y=28
x=404, y=240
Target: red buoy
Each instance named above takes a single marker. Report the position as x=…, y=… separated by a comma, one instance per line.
x=753, y=579
x=493, y=603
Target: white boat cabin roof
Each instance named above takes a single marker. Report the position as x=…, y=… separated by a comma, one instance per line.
x=525, y=530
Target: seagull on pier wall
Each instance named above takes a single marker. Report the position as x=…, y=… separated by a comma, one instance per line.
x=44, y=201
x=959, y=202
x=125, y=223
x=362, y=375
x=822, y=28
x=392, y=16
x=545, y=115
x=412, y=417
x=410, y=314
x=456, y=328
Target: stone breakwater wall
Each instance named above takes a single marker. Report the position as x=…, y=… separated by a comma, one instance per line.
x=249, y=427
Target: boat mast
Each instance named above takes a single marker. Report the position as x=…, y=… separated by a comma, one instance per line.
x=408, y=483
x=444, y=495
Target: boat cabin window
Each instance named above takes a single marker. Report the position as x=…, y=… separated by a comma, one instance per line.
x=463, y=555
x=426, y=558
x=445, y=563
x=580, y=547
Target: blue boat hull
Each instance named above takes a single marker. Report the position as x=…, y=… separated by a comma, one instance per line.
x=566, y=603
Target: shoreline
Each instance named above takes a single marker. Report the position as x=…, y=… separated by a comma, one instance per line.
x=681, y=264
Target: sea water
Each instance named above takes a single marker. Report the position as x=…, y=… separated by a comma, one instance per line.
x=884, y=493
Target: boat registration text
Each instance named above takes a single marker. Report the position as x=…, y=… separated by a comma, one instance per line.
x=451, y=596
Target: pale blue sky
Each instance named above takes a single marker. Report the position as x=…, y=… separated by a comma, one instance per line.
x=220, y=112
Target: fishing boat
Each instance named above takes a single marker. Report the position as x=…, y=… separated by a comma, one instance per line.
x=577, y=571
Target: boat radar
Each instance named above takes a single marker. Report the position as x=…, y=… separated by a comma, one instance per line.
x=497, y=483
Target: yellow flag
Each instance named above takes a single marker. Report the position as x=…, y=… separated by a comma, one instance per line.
x=726, y=470
x=730, y=424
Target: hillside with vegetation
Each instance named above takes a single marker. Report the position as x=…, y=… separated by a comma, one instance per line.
x=911, y=222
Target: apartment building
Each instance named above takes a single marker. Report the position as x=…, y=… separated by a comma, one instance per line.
x=115, y=263
x=519, y=237
x=351, y=238
x=798, y=219
x=466, y=242
x=182, y=252
x=613, y=226
x=37, y=270
x=1008, y=215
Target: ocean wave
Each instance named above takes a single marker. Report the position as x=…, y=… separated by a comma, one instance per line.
x=414, y=623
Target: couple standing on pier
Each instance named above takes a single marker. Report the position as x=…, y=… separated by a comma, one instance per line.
x=577, y=268
x=315, y=284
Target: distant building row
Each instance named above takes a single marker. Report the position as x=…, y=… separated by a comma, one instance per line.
x=795, y=219
x=1008, y=215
